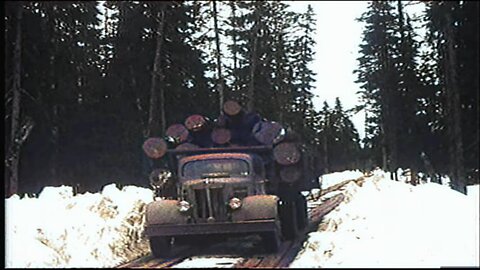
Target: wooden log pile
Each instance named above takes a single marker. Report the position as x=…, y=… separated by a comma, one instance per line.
x=232, y=128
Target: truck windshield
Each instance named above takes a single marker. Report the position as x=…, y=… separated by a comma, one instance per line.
x=215, y=168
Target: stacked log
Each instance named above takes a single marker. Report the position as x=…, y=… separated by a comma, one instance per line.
x=155, y=147
x=268, y=132
x=286, y=153
x=290, y=174
x=221, y=136
x=199, y=127
x=187, y=146
x=178, y=133
x=234, y=127
x=232, y=108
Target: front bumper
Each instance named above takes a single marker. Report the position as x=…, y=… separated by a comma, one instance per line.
x=252, y=226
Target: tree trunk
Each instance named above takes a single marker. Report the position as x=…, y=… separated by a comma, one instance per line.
x=253, y=62
x=384, y=148
x=55, y=145
x=234, y=39
x=15, y=118
x=453, y=101
x=220, y=82
x=325, y=147
x=156, y=122
x=400, y=18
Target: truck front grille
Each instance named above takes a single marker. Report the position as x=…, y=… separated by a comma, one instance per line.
x=217, y=208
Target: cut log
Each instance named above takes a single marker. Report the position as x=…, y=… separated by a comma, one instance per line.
x=286, y=153
x=195, y=122
x=221, y=136
x=232, y=108
x=178, y=132
x=187, y=146
x=221, y=121
x=290, y=174
x=155, y=147
x=267, y=132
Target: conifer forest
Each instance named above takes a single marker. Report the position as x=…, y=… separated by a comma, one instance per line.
x=87, y=82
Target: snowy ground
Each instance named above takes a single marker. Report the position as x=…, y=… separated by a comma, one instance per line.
x=386, y=223
x=383, y=223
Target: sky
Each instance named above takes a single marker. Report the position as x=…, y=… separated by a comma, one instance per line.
x=337, y=38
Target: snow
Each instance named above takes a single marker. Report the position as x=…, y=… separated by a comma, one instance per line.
x=382, y=223
x=208, y=262
x=58, y=229
x=386, y=223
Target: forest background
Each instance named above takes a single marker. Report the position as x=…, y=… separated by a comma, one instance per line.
x=82, y=95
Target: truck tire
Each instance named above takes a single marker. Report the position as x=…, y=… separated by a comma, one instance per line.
x=271, y=241
x=302, y=215
x=288, y=219
x=160, y=246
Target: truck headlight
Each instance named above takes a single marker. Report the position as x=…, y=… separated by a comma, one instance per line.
x=183, y=206
x=235, y=203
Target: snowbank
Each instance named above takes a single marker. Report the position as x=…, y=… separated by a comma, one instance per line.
x=383, y=223
x=58, y=229
x=386, y=223
x=331, y=179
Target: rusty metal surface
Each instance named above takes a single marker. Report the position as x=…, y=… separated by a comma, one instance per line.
x=257, y=207
x=243, y=149
x=203, y=183
x=164, y=212
x=212, y=228
x=215, y=156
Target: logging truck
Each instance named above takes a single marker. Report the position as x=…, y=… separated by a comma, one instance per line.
x=231, y=182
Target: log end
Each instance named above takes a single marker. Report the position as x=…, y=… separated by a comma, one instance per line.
x=286, y=153
x=178, y=132
x=232, y=108
x=187, y=146
x=195, y=122
x=221, y=136
x=155, y=147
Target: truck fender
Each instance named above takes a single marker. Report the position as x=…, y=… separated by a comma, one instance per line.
x=256, y=207
x=164, y=212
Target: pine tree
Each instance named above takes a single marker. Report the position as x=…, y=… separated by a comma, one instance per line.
x=301, y=55
x=451, y=26
x=409, y=90
x=58, y=41
x=379, y=77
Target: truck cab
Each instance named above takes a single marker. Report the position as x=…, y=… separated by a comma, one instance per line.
x=217, y=193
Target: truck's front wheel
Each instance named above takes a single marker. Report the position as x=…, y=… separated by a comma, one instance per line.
x=271, y=241
x=160, y=246
x=302, y=214
x=288, y=219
